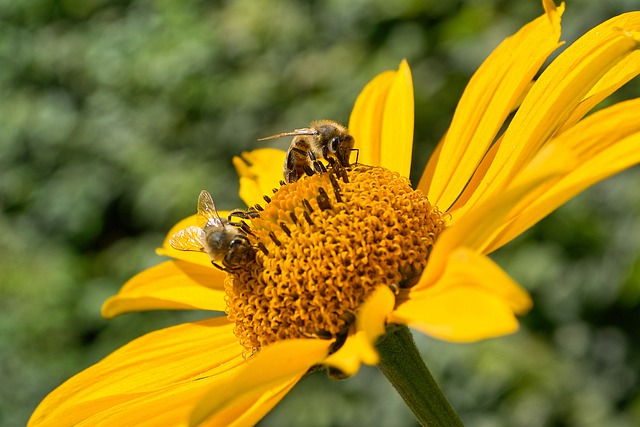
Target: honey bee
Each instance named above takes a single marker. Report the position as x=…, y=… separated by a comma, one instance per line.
x=219, y=238
x=322, y=139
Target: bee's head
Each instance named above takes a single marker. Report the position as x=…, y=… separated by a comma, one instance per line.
x=341, y=146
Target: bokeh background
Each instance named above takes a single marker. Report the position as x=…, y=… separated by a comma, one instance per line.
x=115, y=114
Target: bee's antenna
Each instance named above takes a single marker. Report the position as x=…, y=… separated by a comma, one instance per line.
x=357, y=154
x=304, y=131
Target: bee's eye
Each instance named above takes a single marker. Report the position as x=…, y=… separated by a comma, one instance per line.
x=333, y=144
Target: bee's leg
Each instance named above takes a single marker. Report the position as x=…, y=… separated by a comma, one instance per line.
x=226, y=262
x=219, y=267
x=240, y=240
x=236, y=212
x=325, y=152
x=243, y=214
x=290, y=176
x=290, y=162
x=307, y=169
x=250, y=214
x=240, y=252
x=332, y=148
x=319, y=167
x=244, y=227
x=292, y=171
x=333, y=163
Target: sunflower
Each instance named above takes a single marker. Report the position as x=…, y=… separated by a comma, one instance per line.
x=351, y=256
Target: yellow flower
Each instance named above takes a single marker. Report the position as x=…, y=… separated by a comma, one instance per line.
x=368, y=244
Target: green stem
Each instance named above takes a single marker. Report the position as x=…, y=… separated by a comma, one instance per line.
x=401, y=363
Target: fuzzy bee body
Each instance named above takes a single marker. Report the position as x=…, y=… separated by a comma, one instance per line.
x=224, y=242
x=321, y=140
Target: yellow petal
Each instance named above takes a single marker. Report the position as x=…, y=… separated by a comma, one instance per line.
x=473, y=300
x=365, y=122
x=459, y=205
x=614, y=79
x=275, y=367
x=397, y=123
x=553, y=98
x=490, y=96
x=169, y=286
x=153, y=380
x=476, y=228
x=349, y=357
x=618, y=75
x=371, y=321
x=260, y=171
x=382, y=121
x=604, y=143
x=461, y=314
x=467, y=266
x=250, y=412
x=430, y=169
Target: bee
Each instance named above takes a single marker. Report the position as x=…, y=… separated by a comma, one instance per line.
x=222, y=240
x=322, y=139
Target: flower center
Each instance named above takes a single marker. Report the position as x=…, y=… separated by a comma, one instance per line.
x=326, y=241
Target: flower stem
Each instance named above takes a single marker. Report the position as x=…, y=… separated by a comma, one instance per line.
x=401, y=363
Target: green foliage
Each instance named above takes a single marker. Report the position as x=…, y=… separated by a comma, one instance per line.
x=115, y=114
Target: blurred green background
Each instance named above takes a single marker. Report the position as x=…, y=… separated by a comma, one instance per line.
x=115, y=114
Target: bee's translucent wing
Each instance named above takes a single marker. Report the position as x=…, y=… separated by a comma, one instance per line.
x=189, y=239
x=207, y=213
x=304, y=131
